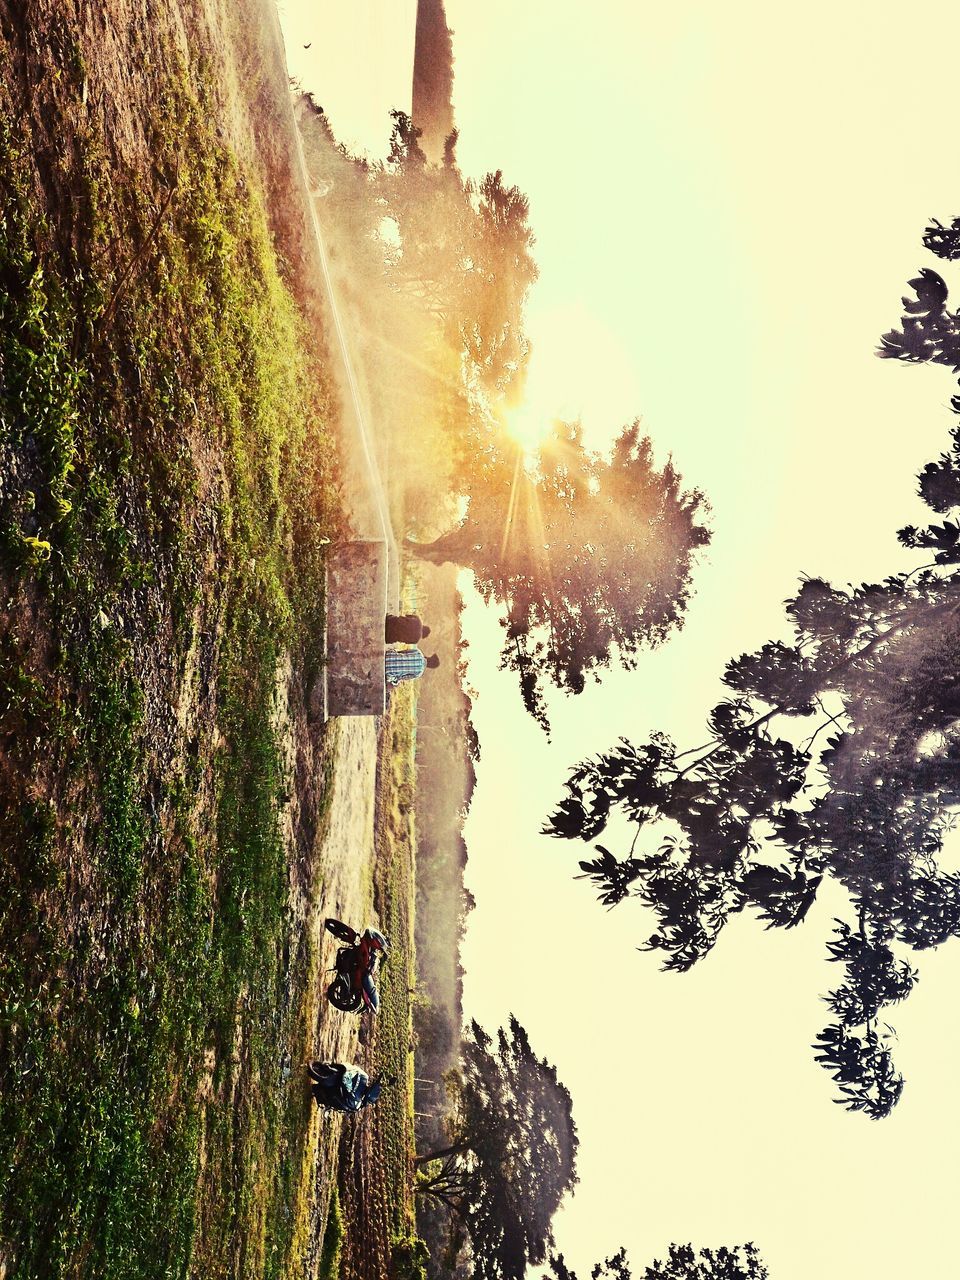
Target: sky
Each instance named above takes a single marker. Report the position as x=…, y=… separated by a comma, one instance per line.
x=728, y=201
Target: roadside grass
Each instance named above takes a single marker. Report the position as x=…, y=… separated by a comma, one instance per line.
x=166, y=488
x=329, y=1265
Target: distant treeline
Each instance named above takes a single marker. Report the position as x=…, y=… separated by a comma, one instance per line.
x=447, y=748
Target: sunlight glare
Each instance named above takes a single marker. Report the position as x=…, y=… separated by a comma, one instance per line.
x=529, y=427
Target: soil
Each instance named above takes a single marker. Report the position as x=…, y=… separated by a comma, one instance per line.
x=125, y=45
x=344, y=853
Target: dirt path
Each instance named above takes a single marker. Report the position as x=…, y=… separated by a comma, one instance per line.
x=343, y=861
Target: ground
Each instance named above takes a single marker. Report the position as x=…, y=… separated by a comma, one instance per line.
x=176, y=816
x=375, y=1183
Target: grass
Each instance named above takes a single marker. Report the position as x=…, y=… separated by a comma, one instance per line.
x=163, y=436
x=329, y=1265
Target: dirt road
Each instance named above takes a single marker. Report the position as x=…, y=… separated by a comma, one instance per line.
x=343, y=885
x=345, y=857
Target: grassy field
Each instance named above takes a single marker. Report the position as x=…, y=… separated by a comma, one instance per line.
x=167, y=491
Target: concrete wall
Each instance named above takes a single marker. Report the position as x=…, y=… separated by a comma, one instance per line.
x=356, y=607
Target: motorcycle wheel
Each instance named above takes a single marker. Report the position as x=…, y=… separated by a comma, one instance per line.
x=340, y=930
x=341, y=996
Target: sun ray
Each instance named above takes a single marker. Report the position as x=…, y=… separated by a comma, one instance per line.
x=529, y=427
x=542, y=546
x=450, y=382
x=511, y=505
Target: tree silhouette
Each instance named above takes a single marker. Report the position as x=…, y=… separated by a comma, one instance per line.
x=589, y=558
x=432, y=106
x=682, y=1263
x=836, y=755
x=511, y=1156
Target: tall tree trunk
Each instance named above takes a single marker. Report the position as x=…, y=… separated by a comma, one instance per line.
x=450, y=548
x=455, y=1149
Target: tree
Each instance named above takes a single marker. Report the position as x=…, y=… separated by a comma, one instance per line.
x=587, y=557
x=511, y=1155
x=432, y=106
x=615, y=1268
x=590, y=558
x=761, y=812
x=743, y=1262
x=465, y=251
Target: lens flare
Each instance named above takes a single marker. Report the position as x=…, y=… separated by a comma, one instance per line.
x=529, y=427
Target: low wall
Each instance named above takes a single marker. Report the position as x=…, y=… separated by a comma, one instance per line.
x=356, y=606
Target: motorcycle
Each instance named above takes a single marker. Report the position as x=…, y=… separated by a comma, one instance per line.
x=353, y=987
x=338, y=1086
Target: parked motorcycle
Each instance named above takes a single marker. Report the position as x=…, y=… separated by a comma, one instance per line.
x=353, y=987
x=338, y=1086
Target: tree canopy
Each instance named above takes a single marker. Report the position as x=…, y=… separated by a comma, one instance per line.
x=834, y=755
x=683, y=1262
x=465, y=249
x=589, y=557
x=511, y=1156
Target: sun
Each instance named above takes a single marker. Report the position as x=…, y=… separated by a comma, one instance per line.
x=529, y=427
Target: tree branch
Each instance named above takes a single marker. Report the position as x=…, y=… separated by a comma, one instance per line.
x=780, y=707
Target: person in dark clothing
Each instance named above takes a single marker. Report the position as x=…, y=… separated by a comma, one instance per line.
x=404, y=628
x=342, y=1087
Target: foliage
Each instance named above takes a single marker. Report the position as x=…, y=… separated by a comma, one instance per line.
x=466, y=253
x=408, y=1258
x=760, y=813
x=434, y=268
x=511, y=1155
x=587, y=558
x=328, y=1267
x=682, y=1263
x=590, y=558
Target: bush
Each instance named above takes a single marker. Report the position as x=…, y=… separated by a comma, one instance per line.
x=408, y=1258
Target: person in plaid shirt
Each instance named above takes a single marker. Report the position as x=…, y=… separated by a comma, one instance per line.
x=406, y=664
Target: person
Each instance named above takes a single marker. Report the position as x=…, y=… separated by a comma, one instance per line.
x=406, y=664
x=373, y=944
x=404, y=628
x=342, y=1087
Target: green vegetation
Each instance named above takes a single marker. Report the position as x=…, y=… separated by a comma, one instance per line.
x=509, y=1156
x=329, y=1267
x=164, y=449
x=408, y=1258
x=683, y=1262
